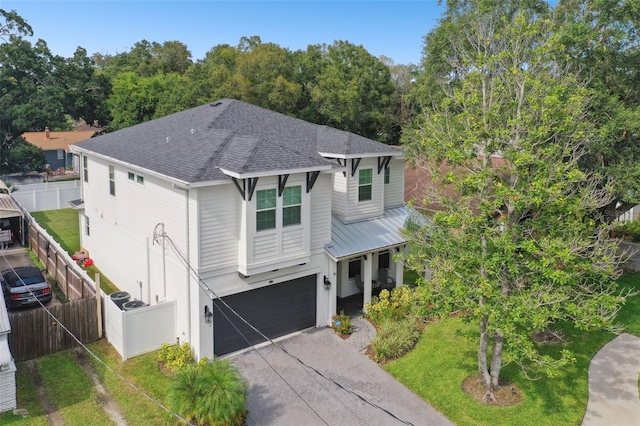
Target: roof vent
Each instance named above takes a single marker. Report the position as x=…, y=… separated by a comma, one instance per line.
x=215, y=104
x=193, y=131
x=168, y=139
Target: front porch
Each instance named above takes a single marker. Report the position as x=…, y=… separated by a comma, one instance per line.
x=366, y=257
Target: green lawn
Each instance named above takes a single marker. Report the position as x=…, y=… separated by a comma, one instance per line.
x=444, y=357
x=64, y=226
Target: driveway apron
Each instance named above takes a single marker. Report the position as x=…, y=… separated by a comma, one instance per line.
x=315, y=400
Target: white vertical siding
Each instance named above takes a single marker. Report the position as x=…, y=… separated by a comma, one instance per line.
x=394, y=190
x=321, y=198
x=219, y=223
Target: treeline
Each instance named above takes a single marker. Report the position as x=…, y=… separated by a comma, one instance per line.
x=340, y=85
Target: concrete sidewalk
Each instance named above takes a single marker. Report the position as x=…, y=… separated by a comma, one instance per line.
x=613, y=384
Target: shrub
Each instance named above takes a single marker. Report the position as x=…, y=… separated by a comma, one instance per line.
x=395, y=338
x=175, y=357
x=341, y=323
x=395, y=304
x=209, y=393
x=628, y=229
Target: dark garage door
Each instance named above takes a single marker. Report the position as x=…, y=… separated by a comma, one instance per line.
x=275, y=310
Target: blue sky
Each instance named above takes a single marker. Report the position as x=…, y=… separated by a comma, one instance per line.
x=391, y=28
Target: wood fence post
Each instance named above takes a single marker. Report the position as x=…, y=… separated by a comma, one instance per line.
x=99, y=306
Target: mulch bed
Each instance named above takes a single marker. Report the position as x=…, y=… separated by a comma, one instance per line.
x=506, y=395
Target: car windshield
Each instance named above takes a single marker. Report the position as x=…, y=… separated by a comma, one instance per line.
x=30, y=276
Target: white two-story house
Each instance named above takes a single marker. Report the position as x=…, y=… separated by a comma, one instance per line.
x=229, y=207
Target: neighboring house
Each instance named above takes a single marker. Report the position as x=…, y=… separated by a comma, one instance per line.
x=273, y=215
x=56, y=146
x=7, y=365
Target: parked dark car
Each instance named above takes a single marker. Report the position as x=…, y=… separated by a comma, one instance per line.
x=24, y=286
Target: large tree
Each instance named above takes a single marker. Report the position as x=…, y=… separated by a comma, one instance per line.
x=39, y=89
x=515, y=245
x=602, y=45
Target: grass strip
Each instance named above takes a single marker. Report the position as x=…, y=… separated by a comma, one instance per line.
x=64, y=226
x=26, y=399
x=143, y=372
x=71, y=390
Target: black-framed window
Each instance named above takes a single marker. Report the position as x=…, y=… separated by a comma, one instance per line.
x=384, y=260
x=355, y=268
x=87, y=228
x=387, y=174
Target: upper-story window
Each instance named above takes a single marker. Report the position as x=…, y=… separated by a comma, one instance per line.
x=387, y=174
x=61, y=154
x=87, y=228
x=266, y=209
x=85, y=168
x=291, y=203
x=136, y=178
x=112, y=180
x=365, y=184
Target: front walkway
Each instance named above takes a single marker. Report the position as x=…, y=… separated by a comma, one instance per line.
x=272, y=402
x=613, y=384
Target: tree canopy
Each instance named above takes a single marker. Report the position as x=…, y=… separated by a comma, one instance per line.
x=504, y=128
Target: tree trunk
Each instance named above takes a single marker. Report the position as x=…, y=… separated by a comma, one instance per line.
x=496, y=363
x=482, y=353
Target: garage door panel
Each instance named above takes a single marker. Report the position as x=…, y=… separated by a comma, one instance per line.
x=275, y=310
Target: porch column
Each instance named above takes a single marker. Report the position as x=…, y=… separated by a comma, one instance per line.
x=400, y=266
x=367, y=266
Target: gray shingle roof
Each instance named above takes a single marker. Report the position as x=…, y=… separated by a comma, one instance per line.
x=193, y=145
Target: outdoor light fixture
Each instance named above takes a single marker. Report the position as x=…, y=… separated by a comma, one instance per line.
x=327, y=283
x=208, y=315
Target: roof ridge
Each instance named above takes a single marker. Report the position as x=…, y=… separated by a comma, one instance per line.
x=214, y=155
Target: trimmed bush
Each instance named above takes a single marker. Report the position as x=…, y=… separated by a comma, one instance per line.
x=209, y=393
x=395, y=338
x=175, y=357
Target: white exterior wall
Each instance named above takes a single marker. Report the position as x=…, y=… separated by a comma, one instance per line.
x=274, y=248
x=121, y=236
x=339, y=194
x=394, y=190
x=219, y=227
x=321, y=196
x=357, y=210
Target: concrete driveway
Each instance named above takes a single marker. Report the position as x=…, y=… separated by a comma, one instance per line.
x=272, y=402
x=17, y=256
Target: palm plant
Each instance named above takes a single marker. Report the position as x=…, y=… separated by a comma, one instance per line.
x=211, y=392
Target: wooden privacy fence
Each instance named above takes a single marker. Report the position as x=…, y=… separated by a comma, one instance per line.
x=34, y=333
x=59, y=264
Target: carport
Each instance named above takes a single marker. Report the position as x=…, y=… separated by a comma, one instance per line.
x=9, y=209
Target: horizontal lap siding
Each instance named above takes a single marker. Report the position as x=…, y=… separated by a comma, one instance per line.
x=219, y=224
x=394, y=190
x=365, y=209
x=265, y=246
x=293, y=241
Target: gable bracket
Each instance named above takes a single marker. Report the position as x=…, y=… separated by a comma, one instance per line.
x=240, y=189
x=341, y=163
x=355, y=162
x=383, y=163
x=311, y=179
x=252, y=187
x=282, y=181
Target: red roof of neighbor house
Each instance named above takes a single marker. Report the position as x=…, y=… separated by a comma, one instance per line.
x=57, y=140
x=418, y=184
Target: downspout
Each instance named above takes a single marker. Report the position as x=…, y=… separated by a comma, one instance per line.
x=188, y=270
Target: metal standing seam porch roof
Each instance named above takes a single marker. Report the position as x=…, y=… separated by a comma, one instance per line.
x=351, y=239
